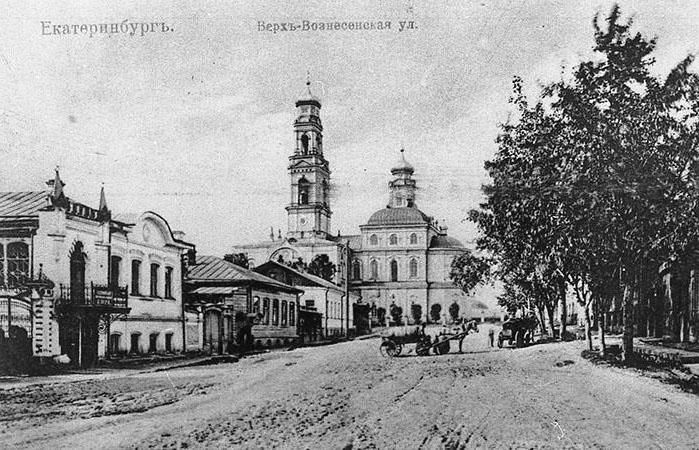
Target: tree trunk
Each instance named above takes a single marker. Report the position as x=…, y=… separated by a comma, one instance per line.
x=627, y=308
x=599, y=312
x=588, y=327
x=542, y=321
x=549, y=311
x=564, y=306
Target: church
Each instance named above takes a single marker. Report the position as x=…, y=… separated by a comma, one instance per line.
x=401, y=256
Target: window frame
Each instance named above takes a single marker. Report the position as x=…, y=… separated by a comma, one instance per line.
x=393, y=239
x=154, y=279
x=136, y=281
x=168, y=282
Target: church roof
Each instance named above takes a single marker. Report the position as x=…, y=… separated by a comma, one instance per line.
x=307, y=96
x=399, y=216
x=444, y=241
x=214, y=269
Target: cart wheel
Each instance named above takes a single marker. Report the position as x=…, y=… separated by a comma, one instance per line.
x=399, y=349
x=389, y=348
x=519, y=339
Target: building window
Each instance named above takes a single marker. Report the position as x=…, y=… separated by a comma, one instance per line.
x=2, y=265
x=154, y=268
x=310, y=303
x=393, y=239
x=168, y=342
x=114, y=343
x=413, y=239
x=357, y=270
x=394, y=270
x=115, y=271
x=292, y=314
x=135, y=277
x=168, y=282
x=275, y=312
x=374, y=266
x=374, y=240
x=17, y=263
x=413, y=268
x=153, y=343
x=256, y=305
x=136, y=343
x=265, y=310
x=285, y=313
x=304, y=187
x=304, y=144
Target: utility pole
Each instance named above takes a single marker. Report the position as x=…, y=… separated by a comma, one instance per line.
x=347, y=278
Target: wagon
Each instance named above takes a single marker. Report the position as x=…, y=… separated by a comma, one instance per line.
x=393, y=344
x=518, y=331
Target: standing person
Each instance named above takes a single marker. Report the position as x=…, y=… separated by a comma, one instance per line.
x=491, y=336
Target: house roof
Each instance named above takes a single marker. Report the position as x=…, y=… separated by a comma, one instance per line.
x=399, y=216
x=215, y=269
x=315, y=280
x=214, y=290
x=22, y=203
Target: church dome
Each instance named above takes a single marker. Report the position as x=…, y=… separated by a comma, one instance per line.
x=399, y=216
x=402, y=165
x=444, y=241
x=308, y=97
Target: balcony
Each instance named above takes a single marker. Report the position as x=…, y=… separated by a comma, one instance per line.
x=100, y=297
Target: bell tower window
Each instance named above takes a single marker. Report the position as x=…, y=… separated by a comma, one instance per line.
x=304, y=188
x=304, y=144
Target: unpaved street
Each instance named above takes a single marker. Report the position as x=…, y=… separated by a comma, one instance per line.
x=348, y=394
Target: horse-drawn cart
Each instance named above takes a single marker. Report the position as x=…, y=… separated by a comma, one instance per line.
x=518, y=331
x=394, y=343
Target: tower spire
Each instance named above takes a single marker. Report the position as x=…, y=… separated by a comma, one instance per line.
x=104, y=214
x=57, y=196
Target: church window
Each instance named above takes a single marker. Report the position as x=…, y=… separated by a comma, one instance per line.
x=393, y=239
x=373, y=240
x=17, y=263
x=413, y=238
x=413, y=268
x=394, y=270
x=304, y=144
x=304, y=187
x=357, y=270
x=275, y=312
x=374, y=266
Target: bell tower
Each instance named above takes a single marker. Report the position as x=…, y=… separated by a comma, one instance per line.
x=309, y=210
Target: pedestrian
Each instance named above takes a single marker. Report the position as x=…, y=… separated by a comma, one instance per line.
x=491, y=336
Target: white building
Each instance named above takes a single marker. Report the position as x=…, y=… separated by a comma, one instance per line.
x=116, y=282
x=400, y=257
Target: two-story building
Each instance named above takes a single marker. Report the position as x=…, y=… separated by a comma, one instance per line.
x=111, y=285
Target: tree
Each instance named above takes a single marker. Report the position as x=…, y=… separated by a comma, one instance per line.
x=396, y=314
x=321, y=266
x=298, y=265
x=454, y=311
x=436, y=312
x=416, y=312
x=469, y=271
x=239, y=259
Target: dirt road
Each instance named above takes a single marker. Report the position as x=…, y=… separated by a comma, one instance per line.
x=544, y=396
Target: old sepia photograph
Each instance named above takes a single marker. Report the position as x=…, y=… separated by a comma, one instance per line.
x=367, y=224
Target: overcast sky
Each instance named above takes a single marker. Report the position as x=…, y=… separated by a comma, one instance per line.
x=196, y=124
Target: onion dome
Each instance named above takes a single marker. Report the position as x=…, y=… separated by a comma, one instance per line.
x=444, y=241
x=403, y=166
x=307, y=97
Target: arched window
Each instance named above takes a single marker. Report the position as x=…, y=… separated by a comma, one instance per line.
x=304, y=144
x=357, y=270
x=265, y=310
x=115, y=271
x=304, y=187
x=393, y=239
x=135, y=277
x=168, y=282
x=413, y=238
x=284, y=313
x=275, y=312
x=77, y=273
x=413, y=268
x=256, y=304
x=154, y=269
x=17, y=263
x=292, y=314
x=394, y=270
x=374, y=266
x=373, y=240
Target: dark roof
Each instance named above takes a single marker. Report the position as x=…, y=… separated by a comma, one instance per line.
x=444, y=241
x=22, y=203
x=311, y=278
x=212, y=268
x=399, y=216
